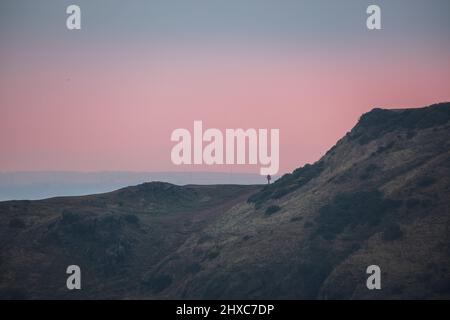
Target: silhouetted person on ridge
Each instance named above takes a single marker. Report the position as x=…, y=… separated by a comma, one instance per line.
x=268, y=178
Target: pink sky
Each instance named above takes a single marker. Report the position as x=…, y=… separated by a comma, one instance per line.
x=116, y=112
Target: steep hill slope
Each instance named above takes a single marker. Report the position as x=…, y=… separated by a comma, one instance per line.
x=380, y=196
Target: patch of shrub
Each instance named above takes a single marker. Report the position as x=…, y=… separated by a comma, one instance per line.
x=351, y=210
x=371, y=167
x=398, y=289
x=85, y=228
x=384, y=148
x=159, y=283
x=308, y=224
x=13, y=294
x=391, y=233
x=411, y=134
x=272, y=209
x=110, y=223
x=426, y=182
x=442, y=287
x=131, y=218
x=17, y=223
x=318, y=260
x=412, y=202
x=193, y=268
x=119, y=251
x=78, y=224
x=281, y=193
x=204, y=238
x=369, y=171
x=313, y=273
x=344, y=177
x=365, y=139
x=426, y=203
x=287, y=183
x=212, y=255
x=69, y=217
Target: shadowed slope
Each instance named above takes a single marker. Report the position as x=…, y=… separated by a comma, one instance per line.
x=379, y=196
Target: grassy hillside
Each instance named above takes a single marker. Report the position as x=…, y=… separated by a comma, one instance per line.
x=114, y=237
x=379, y=196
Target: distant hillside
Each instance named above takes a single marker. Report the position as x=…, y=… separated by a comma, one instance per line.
x=36, y=185
x=379, y=196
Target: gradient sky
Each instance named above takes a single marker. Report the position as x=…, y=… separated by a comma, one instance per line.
x=107, y=97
